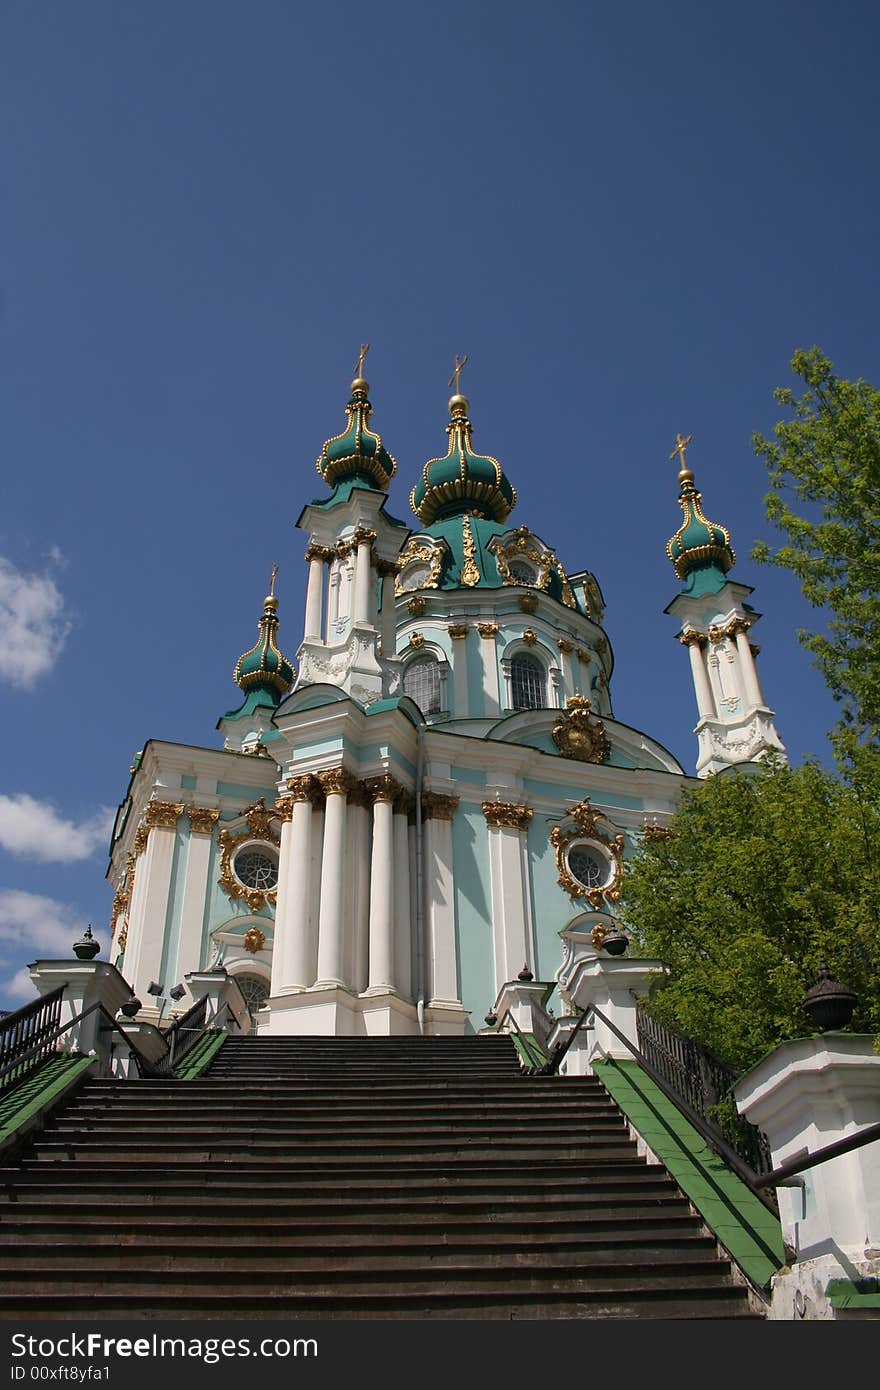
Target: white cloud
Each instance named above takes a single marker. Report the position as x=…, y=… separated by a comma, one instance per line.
x=35, y=830
x=33, y=625
x=37, y=926
x=36, y=923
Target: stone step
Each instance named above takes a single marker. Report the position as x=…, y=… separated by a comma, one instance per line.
x=403, y=1279
x=296, y=1260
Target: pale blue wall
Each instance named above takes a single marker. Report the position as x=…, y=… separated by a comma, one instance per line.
x=473, y=911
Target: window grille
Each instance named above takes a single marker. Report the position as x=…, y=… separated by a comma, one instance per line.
x=528, y=682
x=421, y=682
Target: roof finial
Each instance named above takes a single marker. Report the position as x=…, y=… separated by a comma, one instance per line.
x=359, y=383
x=684, y=473
x=456, y=373
x=272, y=579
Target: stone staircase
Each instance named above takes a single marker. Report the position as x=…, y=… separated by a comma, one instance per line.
x=352, y=1178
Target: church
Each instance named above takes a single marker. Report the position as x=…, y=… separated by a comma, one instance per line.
x=435, y=793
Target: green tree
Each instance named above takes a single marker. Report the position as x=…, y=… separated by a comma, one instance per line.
x=827, y=456
x=765, y=873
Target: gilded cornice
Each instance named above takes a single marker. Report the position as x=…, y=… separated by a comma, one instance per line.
x=438, y=806
x=254, y=940
x=416, y=640
x=362, y=535
x=718, y=631
x=584, y=654
x=458, y=630
x=142, y=834
x=416, y=606
x=528, y=603
x=691, y=638
x=565, y=646
x=488, y=630
x=470, y=574
x=383, y=788
x=305, y=788
x=510, y=815
x=259, y=818
x=336, y=781
x=526, y=546
x=164, y=815
x=652, y=831
x=284, y=807
x=202, y=819
x=320, y=552
x=529, y=636
x=579, y=734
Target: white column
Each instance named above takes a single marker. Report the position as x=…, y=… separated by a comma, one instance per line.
x=388, y=615
x=402, y=914
x=195, y=890
x=336, y=784
x=566, y=649
x=363, y=574
x=489, y=659
x=442, y=956
x=314, y=596
x=753, y=693
x=149, y=908
x=381, y=973
x=293, y=952
x=458, y=632
x=705, y=698
x=511, y=904
x=359, y=871
x=333, y=595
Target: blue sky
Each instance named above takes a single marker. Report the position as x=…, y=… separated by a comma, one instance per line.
x=628, y=216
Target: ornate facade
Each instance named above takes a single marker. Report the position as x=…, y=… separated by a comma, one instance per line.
x=437, y=793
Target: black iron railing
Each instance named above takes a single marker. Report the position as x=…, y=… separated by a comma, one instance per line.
x=183, y=1034
x=705, y=1082
x=26, y=1036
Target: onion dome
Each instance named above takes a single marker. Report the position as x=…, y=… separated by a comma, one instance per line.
x=698, y=544
x=264, y=667
x=357, y=454
x=462, y=481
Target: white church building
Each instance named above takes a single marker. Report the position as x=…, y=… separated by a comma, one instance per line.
x=437, y=793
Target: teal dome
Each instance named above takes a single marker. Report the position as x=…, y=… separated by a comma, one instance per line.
x=462, y=481
x=698, y=544
x=358, y=453
x=264, y=667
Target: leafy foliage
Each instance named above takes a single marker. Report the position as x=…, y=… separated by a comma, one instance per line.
x=766, y=872
x=828, y=456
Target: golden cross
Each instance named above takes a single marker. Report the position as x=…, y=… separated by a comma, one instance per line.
x=359, y=369
x=680, y=446
x=456, y=375
x=272, y=581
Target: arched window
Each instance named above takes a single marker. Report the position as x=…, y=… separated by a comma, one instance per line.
x=421, y=682
x=528, y=682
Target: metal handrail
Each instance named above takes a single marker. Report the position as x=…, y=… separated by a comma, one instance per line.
x=145, y=1068
x=25, y=1034
x=785, y=1175
x=538, y=1061
x=840, y=1146
x=185, y=1024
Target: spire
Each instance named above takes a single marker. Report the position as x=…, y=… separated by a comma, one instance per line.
x=264, y=667
x=461, y=481
x=700, y=550
x=357, y=454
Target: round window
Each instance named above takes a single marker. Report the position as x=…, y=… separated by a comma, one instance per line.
x=414, y=576
x=254, y=991
x=589, y=866
x=521, y=572
x=256, y=866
